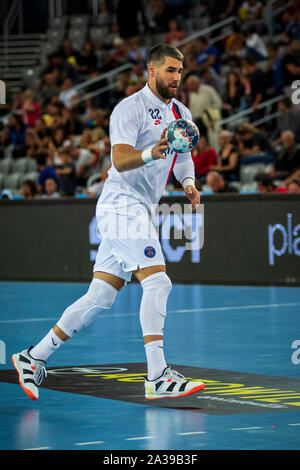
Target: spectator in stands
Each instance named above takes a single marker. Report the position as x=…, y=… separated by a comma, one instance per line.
x=294, y=186
x=211, y=78
x=291, y=62
x=50, y=189
x=157, y=15
x=274, y=71
x=204, y=158
x=29, y=190
x=136, y=53
x=228, y=159
x=48, y=87
x=103, y=18
x=30, y=109
x=174, y=33
x=67, y=175
x=15, y=133
x=118, y=54
x=208, y=55
x=118, y=93
x=96, y=188
x=52, y=114
x=235, y=43
x=69, y=53
x=201, y=97
x=40, y=137
x=288, y=120
x=218, y=11
x=87, y=60
x=217, y=183
x=82, y=159
x=45, y=171
x=256, y=79
x=103, y=161
x=233, y=98
x=288, y=158
x=59, y=140
x=252, y=142
x=63, y=68
x=255, y=45
x=251, y=10
x=265, y=184
x=71, y=123
x=292, y=27
x=139, y=75
x=129, y=23
x=68, y=95
x=86, y=140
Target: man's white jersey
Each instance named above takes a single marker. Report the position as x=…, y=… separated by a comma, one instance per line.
x=139, y=121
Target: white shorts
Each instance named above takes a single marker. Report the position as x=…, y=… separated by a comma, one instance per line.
x=129, y=240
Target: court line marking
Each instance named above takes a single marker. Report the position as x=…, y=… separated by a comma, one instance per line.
x=190, y=433
x=245, y=429
x=153, y=437
x=204, y=309
x=89, y=443
x=138, y=438
x=38, y=448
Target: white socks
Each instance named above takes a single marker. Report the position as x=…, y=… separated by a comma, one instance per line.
x=47, y=346
x=155, y=359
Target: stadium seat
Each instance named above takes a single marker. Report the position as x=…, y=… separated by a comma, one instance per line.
x=79, y=21
x=12, y=181
x=31, y=165
x=248, y=172
x=19, y=165
x=31, y=175
x=6, y=165
x=77, y=34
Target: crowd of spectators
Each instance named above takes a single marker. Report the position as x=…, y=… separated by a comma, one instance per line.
x=66, y=132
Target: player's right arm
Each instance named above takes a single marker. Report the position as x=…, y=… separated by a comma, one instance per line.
x=126, y=158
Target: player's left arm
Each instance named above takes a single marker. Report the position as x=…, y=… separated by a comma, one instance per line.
x=184, y=171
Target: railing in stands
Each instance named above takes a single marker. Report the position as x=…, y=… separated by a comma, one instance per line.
x=207, y=30
x=15, y=12
x=247, y=112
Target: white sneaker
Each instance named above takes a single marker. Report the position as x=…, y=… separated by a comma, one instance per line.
x=31, y=372
x=170, y=385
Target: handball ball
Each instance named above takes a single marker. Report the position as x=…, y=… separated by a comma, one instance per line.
x=183, y=135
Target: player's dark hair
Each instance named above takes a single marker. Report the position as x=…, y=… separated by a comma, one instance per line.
x=157, y=54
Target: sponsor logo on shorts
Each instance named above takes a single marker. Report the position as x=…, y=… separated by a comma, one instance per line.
x=150, y=251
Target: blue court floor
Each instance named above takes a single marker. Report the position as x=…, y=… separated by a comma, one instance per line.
x=237, y=337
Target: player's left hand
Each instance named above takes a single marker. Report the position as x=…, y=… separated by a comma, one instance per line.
x=193, y=195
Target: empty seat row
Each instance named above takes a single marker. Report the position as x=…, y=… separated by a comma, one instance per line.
x=14, y=181
x=20, y=165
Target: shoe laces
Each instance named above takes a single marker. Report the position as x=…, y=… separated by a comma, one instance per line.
x=174, y=375
x=39, y=374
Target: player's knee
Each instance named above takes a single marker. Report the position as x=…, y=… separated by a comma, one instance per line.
x=100, y=296
x=159, y=287
x=156, y=289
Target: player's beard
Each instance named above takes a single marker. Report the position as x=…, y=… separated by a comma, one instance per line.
x=165, y=92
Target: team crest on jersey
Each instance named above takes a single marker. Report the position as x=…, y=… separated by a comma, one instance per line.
x=149, y=251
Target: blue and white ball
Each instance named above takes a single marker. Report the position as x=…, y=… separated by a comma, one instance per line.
x=183, y=135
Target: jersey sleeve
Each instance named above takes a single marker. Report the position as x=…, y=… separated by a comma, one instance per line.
x=184, y=166
x=124, y=124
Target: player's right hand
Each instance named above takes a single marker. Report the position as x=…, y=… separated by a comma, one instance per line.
x=161, y=146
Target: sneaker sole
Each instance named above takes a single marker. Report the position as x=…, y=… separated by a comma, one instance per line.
x=26, y=390
x=194, y=390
